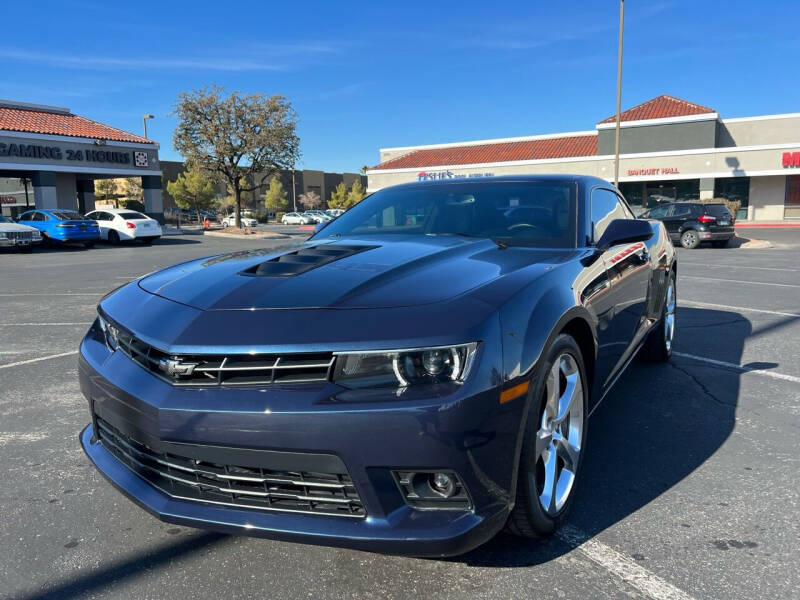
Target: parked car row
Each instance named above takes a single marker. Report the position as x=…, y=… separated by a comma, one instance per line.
x=62, y=226
x=311, y=217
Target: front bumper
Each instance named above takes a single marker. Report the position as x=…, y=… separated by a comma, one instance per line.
x=19, y=243
x=470, y=434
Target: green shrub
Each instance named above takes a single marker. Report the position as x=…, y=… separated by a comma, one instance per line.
x=279, y=216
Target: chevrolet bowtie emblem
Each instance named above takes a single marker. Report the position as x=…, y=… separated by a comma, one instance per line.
x=175, y=368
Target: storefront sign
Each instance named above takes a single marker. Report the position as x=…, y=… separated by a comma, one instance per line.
x=653, y=172
x=791, y=159
x=433, y=175
x=8, y=200
x=80, y=153
x=58, y=153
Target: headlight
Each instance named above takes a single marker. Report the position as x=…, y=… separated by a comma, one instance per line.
x=36, y=234
x=401, y=368
x=110, y=332
x=3, y=236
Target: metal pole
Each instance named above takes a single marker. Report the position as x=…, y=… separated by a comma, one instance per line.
x=294, y=192
x=619, y=92
x=144, y=124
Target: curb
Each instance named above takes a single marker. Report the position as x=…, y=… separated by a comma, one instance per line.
x=269, y=235
x=766, y=225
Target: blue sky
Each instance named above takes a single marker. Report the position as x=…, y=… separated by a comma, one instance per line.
x=369, y=75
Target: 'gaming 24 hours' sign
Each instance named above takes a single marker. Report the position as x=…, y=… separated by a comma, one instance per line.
x=13, y=151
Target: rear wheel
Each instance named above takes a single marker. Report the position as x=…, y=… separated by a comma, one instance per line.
x=113, y=237
x=720, y=243
x=554, y=439
x=658, y=346
x=689, y=239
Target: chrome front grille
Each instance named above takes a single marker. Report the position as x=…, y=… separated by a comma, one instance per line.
x=233, y=369
x=19, y=235
x=243, y=487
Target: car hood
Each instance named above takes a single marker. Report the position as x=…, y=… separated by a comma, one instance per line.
x=6, y=227
x=366, y=272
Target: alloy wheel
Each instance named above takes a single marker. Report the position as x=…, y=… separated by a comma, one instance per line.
x=558, y=440
x=669, y=317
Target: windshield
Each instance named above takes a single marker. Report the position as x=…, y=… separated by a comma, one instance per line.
x=67, y=215
x=519, y=213
x=718, y=210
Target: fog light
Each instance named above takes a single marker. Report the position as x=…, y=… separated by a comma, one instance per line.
x=443, y=484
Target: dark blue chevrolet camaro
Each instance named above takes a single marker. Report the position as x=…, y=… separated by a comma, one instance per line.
x=412, y=379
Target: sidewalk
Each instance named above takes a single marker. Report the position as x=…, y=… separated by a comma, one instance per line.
x=756, y=224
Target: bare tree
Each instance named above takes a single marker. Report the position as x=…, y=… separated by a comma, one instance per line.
x=310, y=199
x=242, y=138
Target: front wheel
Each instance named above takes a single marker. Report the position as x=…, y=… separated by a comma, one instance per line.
x=689, y=239
x=554, y=439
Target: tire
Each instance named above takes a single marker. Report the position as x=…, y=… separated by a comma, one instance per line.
x=540, y=507
x=113, y=237
x=689, y=239
x=720, y=243
x=26, y=249
x=46, y=241
x=658, y=346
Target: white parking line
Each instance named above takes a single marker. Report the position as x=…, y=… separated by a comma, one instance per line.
x=683, y=262
x=623, y=567
x=740, y=368
x=738, y=308
x=740, y=281
x=35, y=360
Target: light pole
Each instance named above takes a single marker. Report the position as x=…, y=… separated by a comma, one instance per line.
x=144, y=123
x=294, y=191
x=619, y=92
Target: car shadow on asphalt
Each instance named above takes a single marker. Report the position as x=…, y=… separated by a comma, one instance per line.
x=140, y=563
x=656, y=427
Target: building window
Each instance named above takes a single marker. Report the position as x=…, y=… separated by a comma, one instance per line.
x=792, y=208
x=734, y=189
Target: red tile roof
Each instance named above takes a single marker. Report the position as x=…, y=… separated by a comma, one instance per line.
x=557, y=147
x=662, y=107
x=35, y=121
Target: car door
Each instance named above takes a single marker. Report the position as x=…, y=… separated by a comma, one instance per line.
x=627, y=269
x=675, y=216
x=102, y=222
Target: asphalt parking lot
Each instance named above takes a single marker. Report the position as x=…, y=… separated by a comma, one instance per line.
x=691, y=486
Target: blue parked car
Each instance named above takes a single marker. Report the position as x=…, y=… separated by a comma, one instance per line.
x=62, y=225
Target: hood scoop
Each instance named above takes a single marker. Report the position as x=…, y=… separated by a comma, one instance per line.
x=303, y=260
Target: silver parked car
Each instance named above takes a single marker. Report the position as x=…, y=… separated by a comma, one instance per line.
x=18, y=236
x=294, y=218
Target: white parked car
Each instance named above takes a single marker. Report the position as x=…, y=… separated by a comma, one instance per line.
x=230, y=221
x=335, y=212
x=120, y=224
x=18, y=236
x=318, y=216
x=294, y=218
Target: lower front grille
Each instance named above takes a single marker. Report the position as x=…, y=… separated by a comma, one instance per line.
x=243, y=487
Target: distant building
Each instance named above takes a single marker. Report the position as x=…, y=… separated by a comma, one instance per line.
x=306, y=180
x=50, y=158
x=670, y=149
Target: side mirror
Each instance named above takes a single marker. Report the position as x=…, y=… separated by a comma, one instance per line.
x=624, y=231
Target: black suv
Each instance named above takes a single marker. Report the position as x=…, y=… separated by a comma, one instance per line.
x=691, y=223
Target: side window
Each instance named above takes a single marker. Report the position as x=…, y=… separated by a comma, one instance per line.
x=25, y=217
x=606, y=207
x=682, y=210
x=38, y=217
x=658, y=212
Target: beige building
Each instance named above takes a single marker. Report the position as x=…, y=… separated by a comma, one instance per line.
x=670, y=149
